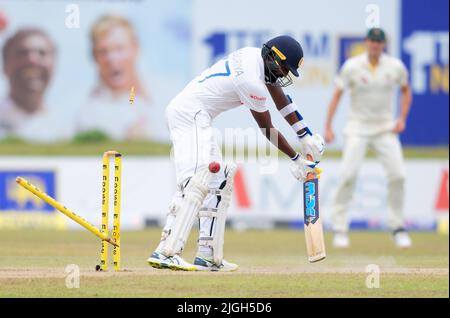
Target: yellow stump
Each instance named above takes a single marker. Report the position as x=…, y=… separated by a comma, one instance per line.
x=116, y=216
x=48, y=199
x=105, y=208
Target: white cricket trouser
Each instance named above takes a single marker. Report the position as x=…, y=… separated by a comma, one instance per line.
x=194, y=147
x=388, y=149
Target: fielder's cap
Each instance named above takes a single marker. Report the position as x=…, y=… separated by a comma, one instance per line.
x=288, y=50
x=376, y=34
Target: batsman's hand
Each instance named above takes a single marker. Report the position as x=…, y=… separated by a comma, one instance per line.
x=300, y=168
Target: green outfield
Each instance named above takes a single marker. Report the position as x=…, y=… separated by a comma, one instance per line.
x=272, y=264
x=146, y=148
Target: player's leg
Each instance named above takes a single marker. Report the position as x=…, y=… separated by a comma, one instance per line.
x=354, y=151
x=171, y=215
x=159, y=259
x=389, y=150
x=194, y=195
x=182, y=215
x=193, y=187
x=206, y=151
x=212, y=216
x=212, y=222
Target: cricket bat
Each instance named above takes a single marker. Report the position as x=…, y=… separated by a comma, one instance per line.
x=315, y=243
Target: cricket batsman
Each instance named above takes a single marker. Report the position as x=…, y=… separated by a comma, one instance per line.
x=372, y=79
x=245, y=78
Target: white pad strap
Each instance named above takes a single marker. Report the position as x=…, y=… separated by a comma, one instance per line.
x=194, y=194
x=215, y=192
x=205, y=241
x=211, y=212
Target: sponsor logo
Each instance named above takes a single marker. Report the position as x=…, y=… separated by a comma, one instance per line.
x=311, y=201
x=15, y=198
x=258, y=98
x=428, y=68
x=350, y=47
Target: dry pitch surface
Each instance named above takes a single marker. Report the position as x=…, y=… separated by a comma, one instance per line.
x=272, y=264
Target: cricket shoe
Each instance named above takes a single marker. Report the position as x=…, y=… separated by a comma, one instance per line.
x=341, y=240
x=207, y=264
x=160, y=261
x=402, y=239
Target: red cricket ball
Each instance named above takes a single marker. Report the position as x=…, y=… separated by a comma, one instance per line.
x=214, y=167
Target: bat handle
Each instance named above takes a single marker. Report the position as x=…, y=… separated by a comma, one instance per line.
x=310, y=175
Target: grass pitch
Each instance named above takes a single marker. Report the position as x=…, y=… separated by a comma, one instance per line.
x=272, y=264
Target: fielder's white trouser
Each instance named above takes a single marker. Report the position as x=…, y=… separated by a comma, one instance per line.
x=388, y=149
x=194, y=147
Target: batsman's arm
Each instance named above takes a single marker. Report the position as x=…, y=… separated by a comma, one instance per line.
x=300, y=168
x=264, y=121
x=294, y=119
x=309, y=143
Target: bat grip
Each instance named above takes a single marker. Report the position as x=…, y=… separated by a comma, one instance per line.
x=310, y=175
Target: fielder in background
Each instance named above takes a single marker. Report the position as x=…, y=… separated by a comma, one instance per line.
x=372, y=79
x=245, y=78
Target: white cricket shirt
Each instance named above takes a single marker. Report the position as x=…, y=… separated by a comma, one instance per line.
x=372, y=92
x=233, y=81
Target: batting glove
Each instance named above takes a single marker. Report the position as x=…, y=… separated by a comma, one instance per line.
x=300, y=168
x=312, y=145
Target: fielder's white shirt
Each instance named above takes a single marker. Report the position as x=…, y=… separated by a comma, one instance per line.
x=373, y=90
x=233, y=81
